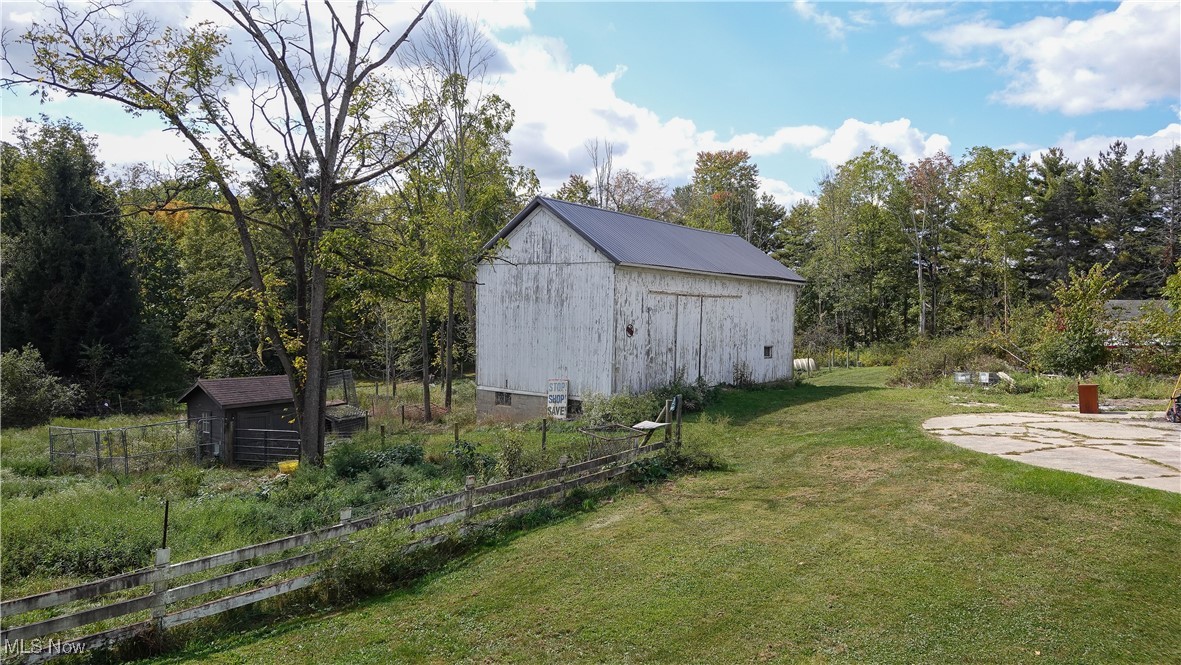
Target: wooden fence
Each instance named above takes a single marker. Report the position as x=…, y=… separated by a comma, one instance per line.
x=162, y=581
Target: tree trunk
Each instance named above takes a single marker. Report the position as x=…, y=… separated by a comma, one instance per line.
x=922, y=300
x=449, y=361
x=426, y=359
x=311, y=420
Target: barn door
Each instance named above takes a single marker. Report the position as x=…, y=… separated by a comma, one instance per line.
x=688, y=358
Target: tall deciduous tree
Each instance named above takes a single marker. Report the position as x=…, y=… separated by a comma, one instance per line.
x=929, y=187
x=991, y=229
x=315, y=125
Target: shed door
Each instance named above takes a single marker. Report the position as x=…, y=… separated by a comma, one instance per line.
x=688, y=355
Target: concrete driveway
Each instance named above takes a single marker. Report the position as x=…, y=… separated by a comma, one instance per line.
x=1132, y=447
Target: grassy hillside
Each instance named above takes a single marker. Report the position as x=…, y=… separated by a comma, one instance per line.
x=841, y=532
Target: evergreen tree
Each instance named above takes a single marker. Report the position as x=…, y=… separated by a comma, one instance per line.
x=67, y=285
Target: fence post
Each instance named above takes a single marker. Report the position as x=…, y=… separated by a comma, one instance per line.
x=98, y=453
x=680, y=411
x=457, y=432
x=383, y=436
x=668, y=412
x=160, y=586
x=266, y=448
x=346, y=515
x=126, y=456
x=51, y=446
x=544, y=427
x=469, y=496
x=403, y=410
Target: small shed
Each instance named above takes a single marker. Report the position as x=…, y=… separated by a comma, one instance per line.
x=241, y=409
x=252, y=418
x=598, y=301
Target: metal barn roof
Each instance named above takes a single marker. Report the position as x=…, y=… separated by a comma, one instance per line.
x=244, y=391
x=639, y=241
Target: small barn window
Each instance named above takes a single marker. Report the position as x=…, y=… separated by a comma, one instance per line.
x=504, y=399
x=768, y=351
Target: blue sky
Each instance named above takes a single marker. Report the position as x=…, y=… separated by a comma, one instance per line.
x=801, y=85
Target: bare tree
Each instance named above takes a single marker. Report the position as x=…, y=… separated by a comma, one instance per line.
x=318, y=123
x=601, y=152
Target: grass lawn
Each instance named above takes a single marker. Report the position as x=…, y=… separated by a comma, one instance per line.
x=841, y=532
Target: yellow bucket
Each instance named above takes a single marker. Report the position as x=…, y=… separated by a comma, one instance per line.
x=289, y=466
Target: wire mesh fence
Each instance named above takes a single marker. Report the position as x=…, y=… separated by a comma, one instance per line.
x=134, y=449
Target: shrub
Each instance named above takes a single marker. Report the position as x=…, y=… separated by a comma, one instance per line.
x=697, y=395
x=465, y=457
x=32, y=395
x=649, y=470
x=1073, y=340
x=515, y=460
x=928, y=360
x=623, y=409
x=347, y=460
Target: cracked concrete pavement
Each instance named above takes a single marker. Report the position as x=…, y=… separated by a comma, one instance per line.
x=1137, y=447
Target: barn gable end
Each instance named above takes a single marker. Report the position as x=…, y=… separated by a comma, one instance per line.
x=543, y=312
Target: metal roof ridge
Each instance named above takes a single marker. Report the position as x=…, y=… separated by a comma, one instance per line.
x=641, y=217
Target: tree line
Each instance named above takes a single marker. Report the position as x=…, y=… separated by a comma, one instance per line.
x=336, y=218
x=895, y=251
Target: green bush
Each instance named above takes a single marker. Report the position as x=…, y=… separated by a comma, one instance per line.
x=622, y=409
x=928, y=360
x=882, y=354
x=32, y=395
x=465, y=457
x=1074, y=337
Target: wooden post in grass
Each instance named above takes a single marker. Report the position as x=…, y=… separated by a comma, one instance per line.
x=160, y=586
x=457, y=432
x=666, y=417
x=126, y=456
x=469, y=496
x=383, y=436
x=403, y=410
x=680, y=410
x=544, y=426
x=563, y=461
x=98, y=453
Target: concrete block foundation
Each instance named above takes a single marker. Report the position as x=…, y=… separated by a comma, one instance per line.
x=520, y=409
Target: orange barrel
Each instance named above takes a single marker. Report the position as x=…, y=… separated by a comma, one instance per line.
x=1088, y=398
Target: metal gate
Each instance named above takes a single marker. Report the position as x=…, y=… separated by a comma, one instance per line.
x=257, y=447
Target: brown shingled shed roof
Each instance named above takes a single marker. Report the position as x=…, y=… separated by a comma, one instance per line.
x=244, y=391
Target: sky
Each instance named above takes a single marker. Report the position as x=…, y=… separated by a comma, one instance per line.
x=801, y=86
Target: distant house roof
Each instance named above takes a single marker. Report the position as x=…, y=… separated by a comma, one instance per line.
x=639, y=241
x=244, y=391
x=1130, y=310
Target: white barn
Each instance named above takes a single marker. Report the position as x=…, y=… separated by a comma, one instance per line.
x=617, y=303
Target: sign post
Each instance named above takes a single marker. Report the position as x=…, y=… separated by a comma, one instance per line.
x=558, y=396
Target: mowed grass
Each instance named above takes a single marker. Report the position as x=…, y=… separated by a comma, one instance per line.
x=840, y=533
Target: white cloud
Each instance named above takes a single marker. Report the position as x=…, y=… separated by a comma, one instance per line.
x=496, y=15
x=909, y=15
x=834, y=25
x=560, y=106
x=855, y=137
x=893, y=59
x=1078, y=149
x=1119, y=60
x=783, y=193
x=20, y=18
x=117, y=149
